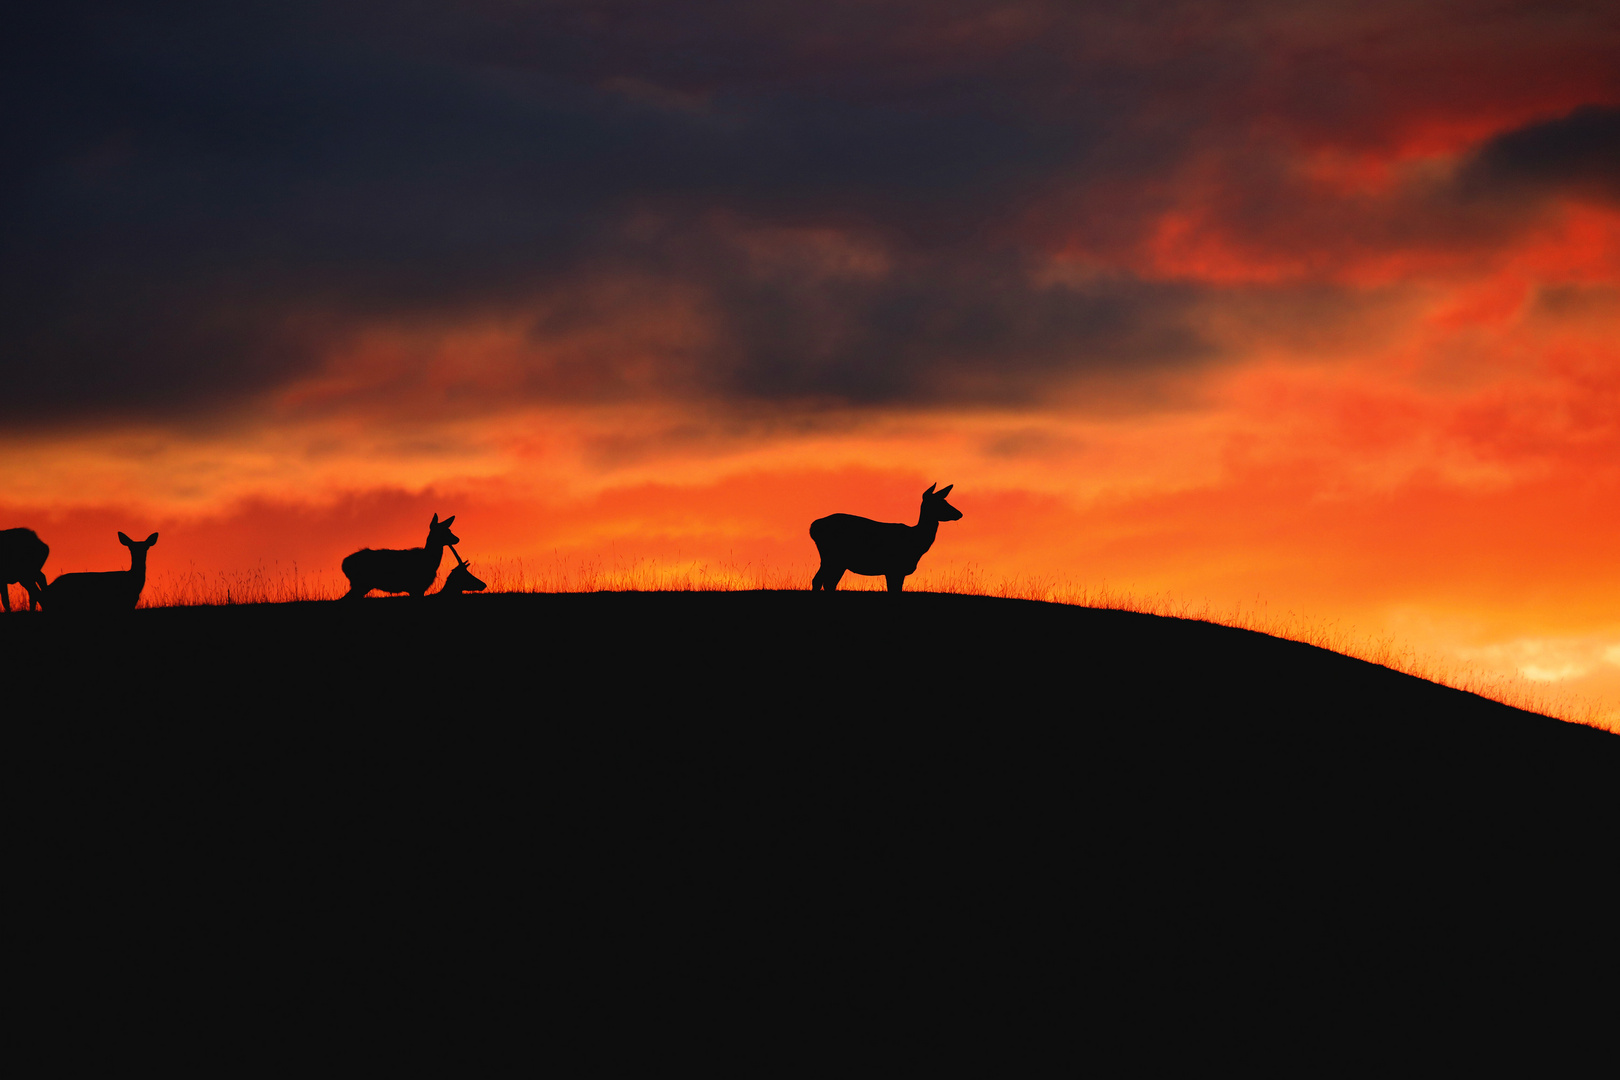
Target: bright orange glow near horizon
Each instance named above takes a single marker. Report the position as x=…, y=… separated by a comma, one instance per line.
x=1310, y=317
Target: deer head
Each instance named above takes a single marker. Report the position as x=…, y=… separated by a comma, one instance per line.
x=439, y=531
x=137, y=550
x=936, y=508
x=461, y=579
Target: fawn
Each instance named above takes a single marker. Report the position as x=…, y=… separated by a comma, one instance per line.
x=110, y=590
x=460, y=579
x=878, y=548
x=392, y=570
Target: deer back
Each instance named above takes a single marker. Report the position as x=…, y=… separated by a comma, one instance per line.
x=22, y=555
x=866, y=546
x=394, y=569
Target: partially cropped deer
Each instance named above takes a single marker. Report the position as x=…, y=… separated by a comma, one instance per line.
x=878, y=548
x=105, y=591
x=392, y=570
x=460, y=579
x=22, y=559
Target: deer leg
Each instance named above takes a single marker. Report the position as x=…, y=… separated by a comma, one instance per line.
x=827, y=578
x=5, y=597
x=896, y=582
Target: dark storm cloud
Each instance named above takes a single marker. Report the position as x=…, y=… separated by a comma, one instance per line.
x=202, y=201
x=937, y=328
x=1577, y=154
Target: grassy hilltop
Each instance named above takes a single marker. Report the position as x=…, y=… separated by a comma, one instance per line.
x=852, y=646
x=950, y=670
x=995, y=800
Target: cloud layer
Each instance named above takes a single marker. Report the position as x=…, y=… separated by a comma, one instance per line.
x=863, y=203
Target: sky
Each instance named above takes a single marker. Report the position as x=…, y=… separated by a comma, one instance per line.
x=1306, y=308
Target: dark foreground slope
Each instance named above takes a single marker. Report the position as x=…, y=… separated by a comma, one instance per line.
x=1003, y=806
x=931, y=672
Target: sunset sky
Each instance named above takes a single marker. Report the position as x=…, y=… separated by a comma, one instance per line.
x=1310, y=306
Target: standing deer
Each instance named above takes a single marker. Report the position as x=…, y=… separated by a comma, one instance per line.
x=22, y=559
x=110, y=590
x=878, y=548
x=460, y=579
x=392, y=570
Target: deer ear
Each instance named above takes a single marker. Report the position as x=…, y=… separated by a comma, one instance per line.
x=126, y=541
x=150, y=540
x=451, y=520
x=435, y=520
x=931, y=488
x=947, y=490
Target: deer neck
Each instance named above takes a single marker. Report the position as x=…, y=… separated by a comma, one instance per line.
x=137, y=567
x=924, y=532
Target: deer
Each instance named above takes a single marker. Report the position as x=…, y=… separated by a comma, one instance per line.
x=460, y=579
x=22, y=559
x=105, y=591
x=878, y=548
x=392, y=570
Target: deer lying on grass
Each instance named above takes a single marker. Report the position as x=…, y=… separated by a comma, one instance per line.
x=878, y=548
x=460, y=580
x=105, y=591
x=392, y=570
x=22, y=559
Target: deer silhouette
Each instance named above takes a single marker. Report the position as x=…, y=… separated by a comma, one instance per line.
x=460, y=579
x=878, y=548
x=392, y=570
x=22, y=559
x=105, y=591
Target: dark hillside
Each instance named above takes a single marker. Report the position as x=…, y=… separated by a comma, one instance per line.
x=852, y=664
x=956, y=791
